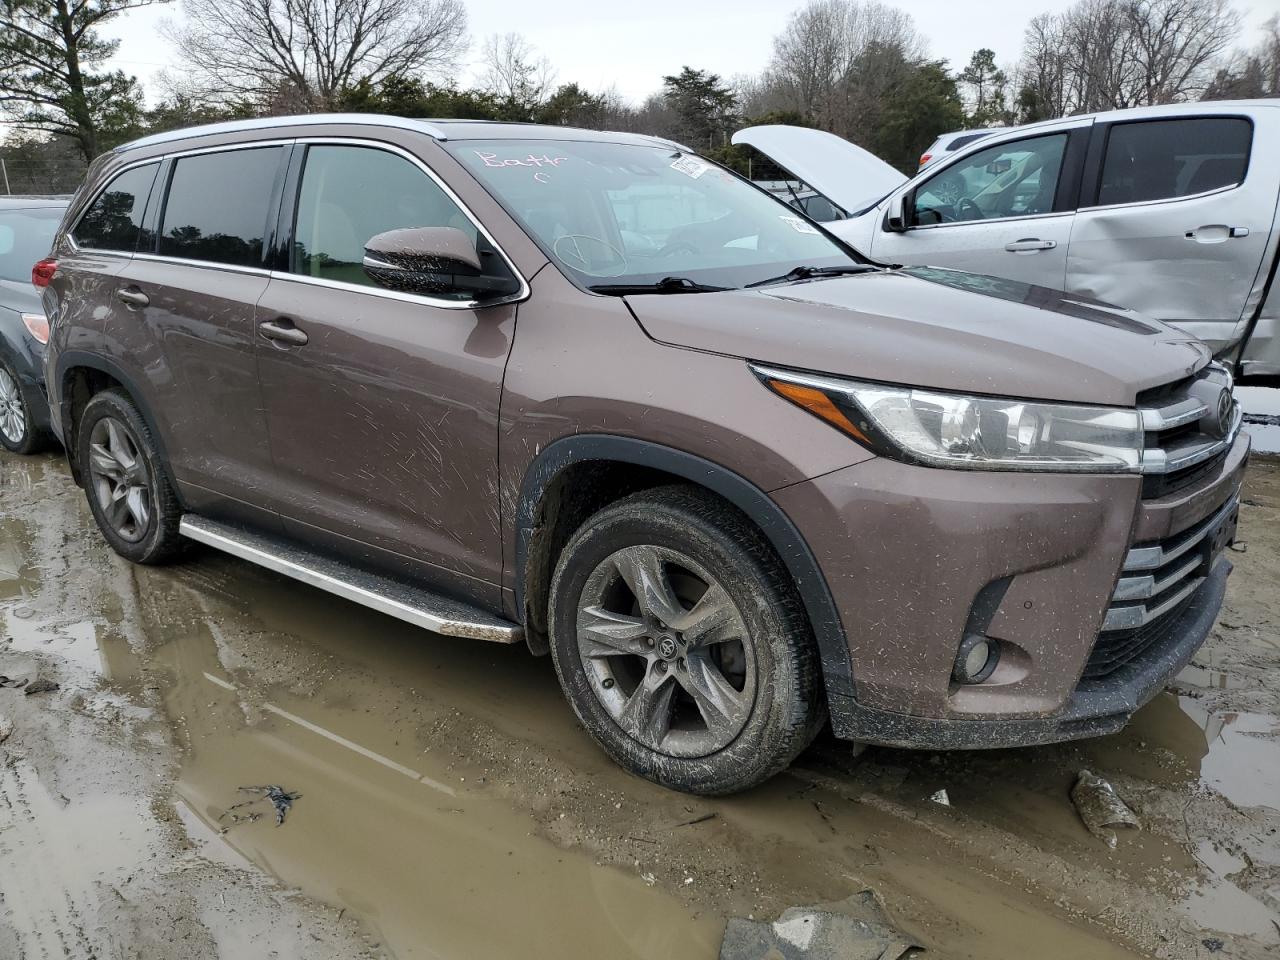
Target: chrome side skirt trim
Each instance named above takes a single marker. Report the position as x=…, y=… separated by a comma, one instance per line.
x=411, y=604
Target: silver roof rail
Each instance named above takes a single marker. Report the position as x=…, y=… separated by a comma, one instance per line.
x=303, y=120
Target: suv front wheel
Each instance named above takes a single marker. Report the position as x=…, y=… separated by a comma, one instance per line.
x=681, y=645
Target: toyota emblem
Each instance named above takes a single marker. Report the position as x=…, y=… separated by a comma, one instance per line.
x=1224, y=413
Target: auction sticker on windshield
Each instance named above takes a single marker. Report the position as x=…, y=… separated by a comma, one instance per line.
x=691, y=167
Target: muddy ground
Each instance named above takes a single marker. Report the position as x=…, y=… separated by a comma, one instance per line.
x=450, y=807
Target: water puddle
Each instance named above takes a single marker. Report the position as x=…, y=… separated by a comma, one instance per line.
x=1208, y=678
x=1242, y=758
x=1264, y=401
x=393, y=832
x=1221, y=905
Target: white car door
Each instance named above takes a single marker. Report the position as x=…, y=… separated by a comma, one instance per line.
x=1175, y=219
x=1004, y=210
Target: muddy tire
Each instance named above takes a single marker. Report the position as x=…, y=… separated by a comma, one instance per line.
x=126, y=481
x=681, y=644
x=17, y=434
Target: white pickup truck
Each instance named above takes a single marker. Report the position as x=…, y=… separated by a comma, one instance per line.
x=1170, y=211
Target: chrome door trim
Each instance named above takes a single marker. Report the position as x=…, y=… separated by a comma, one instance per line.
x=519, y=296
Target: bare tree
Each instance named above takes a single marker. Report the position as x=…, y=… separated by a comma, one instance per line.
x=313, y=51
x=1252, y=74
x=514, y=73
x=1112, y=54
x=835, y=61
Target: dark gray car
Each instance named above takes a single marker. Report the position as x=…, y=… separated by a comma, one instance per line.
x=27, y=226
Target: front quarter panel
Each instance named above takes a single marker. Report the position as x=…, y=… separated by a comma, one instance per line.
x=582, y=364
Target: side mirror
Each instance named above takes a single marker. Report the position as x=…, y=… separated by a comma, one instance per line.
x=434, y=260
x=895, y=218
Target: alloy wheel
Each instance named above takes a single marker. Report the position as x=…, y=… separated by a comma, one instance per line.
x=13, y=413
x=121, y=480
x=666, y=651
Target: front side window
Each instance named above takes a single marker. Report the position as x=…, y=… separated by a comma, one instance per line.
x=217, y=206
x=635, y=214
x=114, y=218
x=1017, y=179
x=1163, y=159
x=350, y=194
x=25, y=237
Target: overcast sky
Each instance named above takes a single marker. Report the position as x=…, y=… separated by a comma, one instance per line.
x=631, y=46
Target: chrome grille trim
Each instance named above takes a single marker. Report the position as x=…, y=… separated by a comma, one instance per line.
x=1146, y=587
x=1147, y=577
x=1188, y=410
x=1156, y=556
x=1130, y=618
x=1182, y=456
x=1196, y=402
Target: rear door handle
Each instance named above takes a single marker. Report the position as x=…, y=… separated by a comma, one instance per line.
x=1030, y=245
x=284, y=331
x=132, y=296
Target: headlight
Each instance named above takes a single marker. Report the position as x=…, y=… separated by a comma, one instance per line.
x=968, y=432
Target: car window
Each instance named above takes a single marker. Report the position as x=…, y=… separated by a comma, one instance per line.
x=350, y=194
x=217, y=206
x=648, y=213
x=617, y=214
x=25, y=237
x=1164, y=159
x=1017, y=179
x=112, y=220
x=964, y=141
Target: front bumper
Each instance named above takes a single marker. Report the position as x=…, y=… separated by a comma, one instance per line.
x=916, y=558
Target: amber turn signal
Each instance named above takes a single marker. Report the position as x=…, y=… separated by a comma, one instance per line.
x=819, y=404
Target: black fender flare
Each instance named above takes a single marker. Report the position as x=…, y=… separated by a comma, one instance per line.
x=833, y=646
x=78, y=358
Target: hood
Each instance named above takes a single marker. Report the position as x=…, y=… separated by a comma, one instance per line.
x=842, y=172
x=942, y=329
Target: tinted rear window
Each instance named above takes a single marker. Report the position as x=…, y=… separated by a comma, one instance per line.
x=1163, y=159
x=112, y=221
x=25, y=237
x=964, y=141
x=217, y=206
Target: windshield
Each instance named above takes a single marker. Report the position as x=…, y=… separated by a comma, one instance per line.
x=612, y=214
x=25, y=238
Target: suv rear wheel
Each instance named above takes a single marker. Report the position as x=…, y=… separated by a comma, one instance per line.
x=681, y=645
x=126, y=481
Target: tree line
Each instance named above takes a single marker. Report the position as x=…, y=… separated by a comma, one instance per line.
x=858, y=68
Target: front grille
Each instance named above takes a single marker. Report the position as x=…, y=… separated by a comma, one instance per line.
x=1183, y=438
x=1157, y=582
x=1118, y=648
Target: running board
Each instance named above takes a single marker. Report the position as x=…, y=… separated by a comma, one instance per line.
x=413, y=604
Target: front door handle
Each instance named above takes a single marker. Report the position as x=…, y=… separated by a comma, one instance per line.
x=1217, y=233
x=1030, y=245
x=284, y=331
x=132, y=296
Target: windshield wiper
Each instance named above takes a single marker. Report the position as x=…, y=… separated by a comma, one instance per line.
x=665, y=285
x=807, y=273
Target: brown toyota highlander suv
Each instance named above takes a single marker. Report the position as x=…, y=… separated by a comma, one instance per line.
x=590, y=392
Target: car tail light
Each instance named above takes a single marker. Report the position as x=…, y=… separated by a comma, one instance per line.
x=925, y=159
x=43, y=272
x=37, y=325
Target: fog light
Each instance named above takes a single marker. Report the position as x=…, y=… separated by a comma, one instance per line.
x=976, y=660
